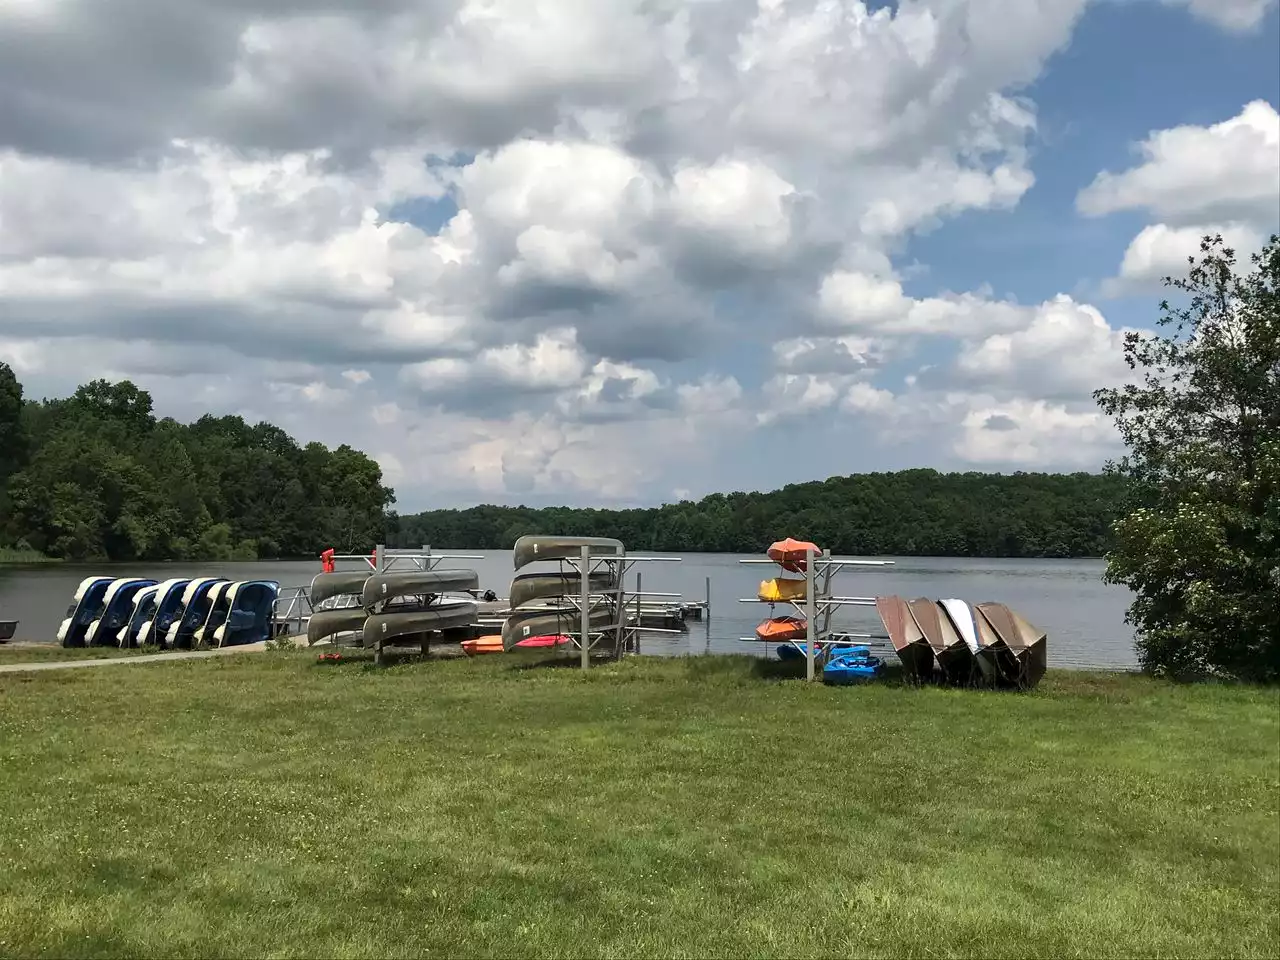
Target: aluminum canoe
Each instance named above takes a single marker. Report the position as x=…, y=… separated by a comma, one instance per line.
x=528, y=587
x=380, y=628
x=531, y=549
x=381, y=587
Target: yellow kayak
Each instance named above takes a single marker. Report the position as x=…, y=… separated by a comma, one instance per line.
x=780, y=590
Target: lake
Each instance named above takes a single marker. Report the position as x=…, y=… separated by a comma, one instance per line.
x=1083, y=616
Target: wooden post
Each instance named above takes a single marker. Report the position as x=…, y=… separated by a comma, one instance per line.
x=586, y=606
x=707, y=609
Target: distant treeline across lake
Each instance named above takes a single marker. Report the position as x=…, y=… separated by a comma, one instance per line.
x=907, y=513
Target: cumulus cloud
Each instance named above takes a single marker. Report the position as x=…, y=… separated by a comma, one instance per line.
x=1197, y=181
x=562, y=249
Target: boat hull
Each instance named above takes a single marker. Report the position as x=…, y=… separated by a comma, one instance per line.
x=528, y=587
x=195, y=610
x=328, y=623
x=382, y=628
x=909, y=641
x=250, y=608
x=7, y=629
x=1026, y=643
x=382, y=587
x=779, y=629
x=791, y=554
x=952, y=654
x=542, y=623
x=531, y=549
x=144, y=608
x=326, y=586
x=961, y=616
x=84, y=609
x=168, y=609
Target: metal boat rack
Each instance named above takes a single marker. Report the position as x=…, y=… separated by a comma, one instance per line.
x=293, y=607
x=819, y=568
x=626, y=631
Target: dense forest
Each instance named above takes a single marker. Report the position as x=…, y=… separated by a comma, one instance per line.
x=910, y=513
x=98, y=476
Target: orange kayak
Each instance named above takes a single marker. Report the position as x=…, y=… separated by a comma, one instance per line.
x=790, y=553
x=489, y=644
x=783, y=628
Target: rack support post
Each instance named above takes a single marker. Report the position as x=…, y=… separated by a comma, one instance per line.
x=811, y=610
x=585, y=570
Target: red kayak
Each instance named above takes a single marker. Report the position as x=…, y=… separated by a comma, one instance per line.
x=791, y=553
x=546, y=641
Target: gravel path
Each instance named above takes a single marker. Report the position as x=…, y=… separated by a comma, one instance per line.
x=114, y=661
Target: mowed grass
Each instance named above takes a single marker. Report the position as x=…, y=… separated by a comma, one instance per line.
x=39, y=652
x=269, y=806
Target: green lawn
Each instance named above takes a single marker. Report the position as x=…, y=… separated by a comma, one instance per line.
x=270, y=805
x=38, y=652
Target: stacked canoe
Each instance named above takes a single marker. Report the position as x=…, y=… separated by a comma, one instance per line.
x=172, y=614
x=981, y=644
x=545, y=607
x=394, y=606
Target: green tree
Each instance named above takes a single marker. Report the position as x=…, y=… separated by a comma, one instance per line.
x=1201, y=549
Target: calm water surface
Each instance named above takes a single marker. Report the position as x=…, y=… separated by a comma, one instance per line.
x=1083, y=617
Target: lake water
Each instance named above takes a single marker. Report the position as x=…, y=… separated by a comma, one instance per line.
x=1083, y=617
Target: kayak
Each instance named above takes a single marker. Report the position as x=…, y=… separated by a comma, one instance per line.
x=781, y=590
x=798, y=651
x=791, y=553
x=783, y=628
x=489, y=644
x=851, y=666
x=544, y=641
x=493, y=643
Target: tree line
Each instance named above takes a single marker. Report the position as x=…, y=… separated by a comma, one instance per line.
x=98, y=476
x=907, y=513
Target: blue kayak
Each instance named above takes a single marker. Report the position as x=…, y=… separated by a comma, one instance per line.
x=851, y=666
x=796, y=651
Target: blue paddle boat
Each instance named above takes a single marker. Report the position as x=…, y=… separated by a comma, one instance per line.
x=851, y=665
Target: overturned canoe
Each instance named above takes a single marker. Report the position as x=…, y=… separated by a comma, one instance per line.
x=528, y=587
x=381, y=628
x=328, y=623
x=542, y=623
x=777, y=629
x=952, y=654
x=381, y=587
x=791, y=553
x=781, y=590
x=961, y=616
x=1027, y=643
x=531, y=549
x=908, y=639
x=326, y=586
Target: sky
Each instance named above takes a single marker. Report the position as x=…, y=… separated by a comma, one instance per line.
x=618, y=252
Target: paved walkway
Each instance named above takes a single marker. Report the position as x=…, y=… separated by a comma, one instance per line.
x=113, y=661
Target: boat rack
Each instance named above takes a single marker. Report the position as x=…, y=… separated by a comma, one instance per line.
x=818, y=602
x=625, y=626
x=293, y=607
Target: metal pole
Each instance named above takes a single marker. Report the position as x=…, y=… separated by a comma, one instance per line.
x=381, y=558
x=639, y=596
x=586, y=606
x=811, y=632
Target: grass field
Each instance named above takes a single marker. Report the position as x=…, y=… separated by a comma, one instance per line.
x=269, y=805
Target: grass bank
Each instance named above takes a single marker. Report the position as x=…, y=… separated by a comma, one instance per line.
x=271, y=805
x=12, y=555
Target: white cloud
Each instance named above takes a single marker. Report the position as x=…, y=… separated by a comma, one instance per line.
x=1236, y=16
x=1198, y=181
x=550, y=248
x=1192, y=175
